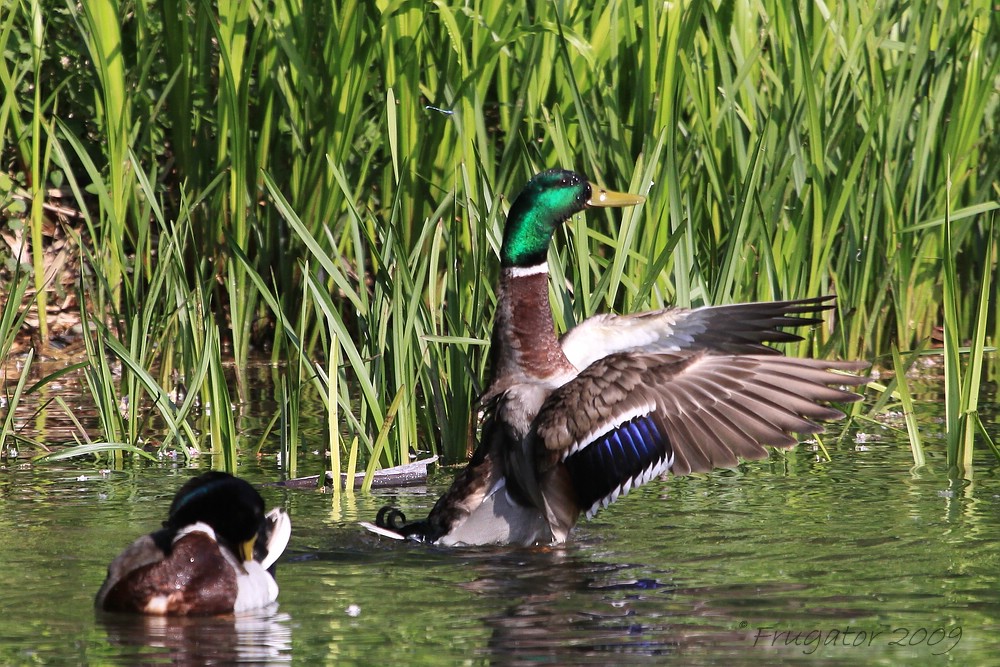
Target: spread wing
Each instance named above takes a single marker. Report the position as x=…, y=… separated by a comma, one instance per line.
x=733, y=329
x=630, y=417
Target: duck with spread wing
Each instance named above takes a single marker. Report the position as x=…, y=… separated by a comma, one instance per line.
x=574, y=423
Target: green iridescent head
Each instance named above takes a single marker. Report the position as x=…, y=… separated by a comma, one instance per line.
x=547, y=201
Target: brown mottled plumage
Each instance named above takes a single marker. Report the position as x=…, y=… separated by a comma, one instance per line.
x=574, y=423
x=213, y=555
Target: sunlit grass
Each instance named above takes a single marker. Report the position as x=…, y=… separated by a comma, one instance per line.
x=330, y=180
x=962, y=381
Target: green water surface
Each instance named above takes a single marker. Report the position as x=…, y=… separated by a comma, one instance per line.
x=853, y=561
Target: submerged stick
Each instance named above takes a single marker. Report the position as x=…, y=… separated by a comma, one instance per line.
x=408, y=474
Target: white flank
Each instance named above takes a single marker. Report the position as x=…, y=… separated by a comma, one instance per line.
x=255, y=587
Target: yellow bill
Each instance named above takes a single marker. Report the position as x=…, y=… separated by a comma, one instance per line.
x=246, y=549
x=603, y=197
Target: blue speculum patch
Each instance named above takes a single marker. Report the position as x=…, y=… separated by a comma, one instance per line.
x=625, y=453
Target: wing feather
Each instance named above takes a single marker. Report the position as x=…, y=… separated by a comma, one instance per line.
x=732, y=329
x=699, y=409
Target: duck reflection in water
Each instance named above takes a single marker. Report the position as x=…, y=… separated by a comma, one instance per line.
x=261, y=637
x=556, y=608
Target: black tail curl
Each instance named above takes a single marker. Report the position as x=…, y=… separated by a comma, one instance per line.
x=390, y=518
x=393, y=519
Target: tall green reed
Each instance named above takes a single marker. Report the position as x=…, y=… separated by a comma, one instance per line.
x=103, y=38
x=39, y=165
x=343, y=172
x=962, y=385
x=12, y=316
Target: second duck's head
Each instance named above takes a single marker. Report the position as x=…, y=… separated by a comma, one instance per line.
x=547, y=201
x=230, y=505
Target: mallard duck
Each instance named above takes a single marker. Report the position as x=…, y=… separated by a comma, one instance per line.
x=573, y=424
x=214, y=555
